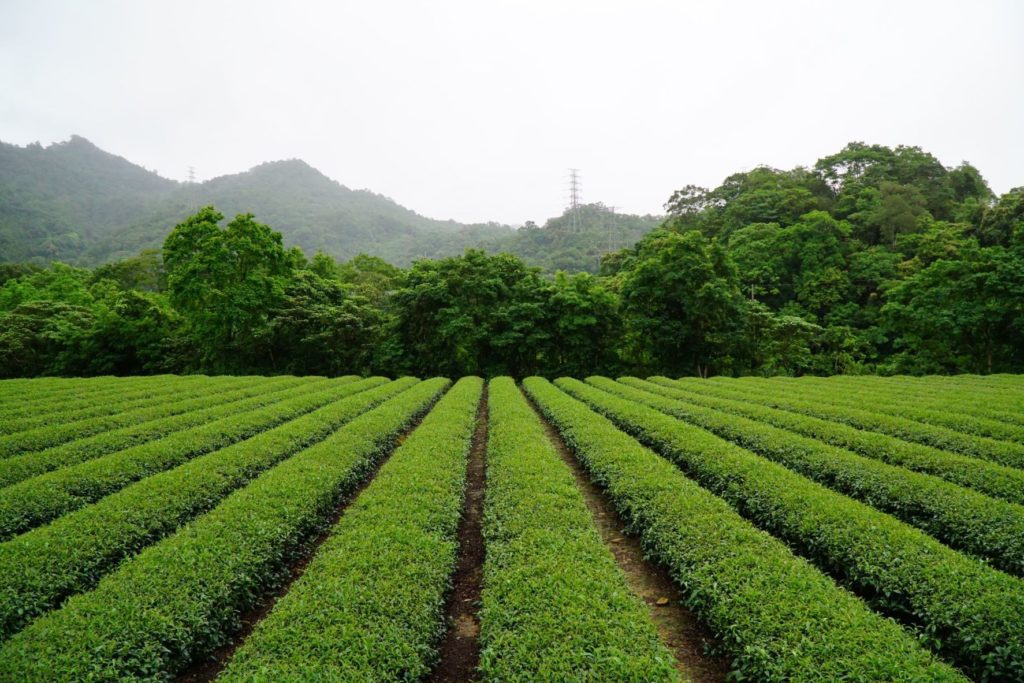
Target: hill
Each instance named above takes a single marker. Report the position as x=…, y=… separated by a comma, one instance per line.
x=563, y=243
x=57, y=201
x=73, y=202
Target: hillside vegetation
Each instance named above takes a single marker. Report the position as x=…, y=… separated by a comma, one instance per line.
x=874, y=260
x=73, y=202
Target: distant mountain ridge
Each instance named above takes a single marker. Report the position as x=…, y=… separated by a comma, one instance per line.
x=73, y=202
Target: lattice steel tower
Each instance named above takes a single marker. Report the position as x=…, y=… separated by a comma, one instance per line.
x=575, y=191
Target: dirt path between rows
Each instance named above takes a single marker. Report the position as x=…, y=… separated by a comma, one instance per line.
x=209, y=668
x=460, y=649
x=678, y=628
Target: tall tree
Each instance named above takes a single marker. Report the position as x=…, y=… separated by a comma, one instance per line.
x=585, y=325
x=964, y=314
x=472, y=314
x=225, y=281
x=681, y=305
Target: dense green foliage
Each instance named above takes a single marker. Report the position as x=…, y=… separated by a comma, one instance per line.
x=161, y=515
x=541, y=617
x=998, y=481
x=874, y=260
x=820, y=404
x=962, y=608
x=990, y=529
x=576, y=241
x=192, y=413
x=45, y=565
x=40, y=499
x=181, y=598
x=778, y=618
x=370, y=605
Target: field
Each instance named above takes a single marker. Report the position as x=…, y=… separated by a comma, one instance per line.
x=200, y=528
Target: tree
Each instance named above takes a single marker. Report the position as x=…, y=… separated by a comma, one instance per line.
x=781, y=344
x=888, y=211
x=144, y=272
x=472, y=314
x=964, y=314
x=371, y=277
x=681, y=305
x=42, y=337
x=1004, y=220
x=225, y=281
x=585, y=326
x=133, y=333
x=321, y=329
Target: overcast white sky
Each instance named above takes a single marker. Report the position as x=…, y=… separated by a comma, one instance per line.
x=474, y=109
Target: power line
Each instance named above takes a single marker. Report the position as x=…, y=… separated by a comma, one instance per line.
x=191, y=174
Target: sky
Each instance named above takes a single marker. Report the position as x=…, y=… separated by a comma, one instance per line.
x=475, y=109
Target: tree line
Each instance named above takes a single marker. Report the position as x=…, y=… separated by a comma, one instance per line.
x=873, y=260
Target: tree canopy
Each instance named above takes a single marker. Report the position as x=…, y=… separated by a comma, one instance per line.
x=871, y=260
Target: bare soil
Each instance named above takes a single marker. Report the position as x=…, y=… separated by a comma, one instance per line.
x=460, y=650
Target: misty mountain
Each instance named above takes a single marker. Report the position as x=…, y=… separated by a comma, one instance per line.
x=74, y=202
x=576, y=240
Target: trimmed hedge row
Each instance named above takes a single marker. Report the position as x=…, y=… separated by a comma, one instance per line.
x=44, y=498
x=555, y=605
x=779, y=618
x=968, y=404
x=961, y=399
x=1003, y=452
x=370, y=606
x=961, y=608
x=125, y=401
x=32, y=395
x=20, y=409
x=912, y=407
x=179, y=600
x=964, y=519
x=53, y=433
x=203, y=410
x=987, y=477
x=938, y=389
x=40, y=568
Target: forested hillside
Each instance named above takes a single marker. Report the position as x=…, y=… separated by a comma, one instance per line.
x=56, y=201
x=575, y=241
x=873, y=260
x=73, y=202
x=874, y=256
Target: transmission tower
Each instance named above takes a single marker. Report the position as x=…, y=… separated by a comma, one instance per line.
x=575, y=191
x=612, y=227
x=191, y=174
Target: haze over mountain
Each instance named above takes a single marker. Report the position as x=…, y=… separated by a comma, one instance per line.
x=73, y=202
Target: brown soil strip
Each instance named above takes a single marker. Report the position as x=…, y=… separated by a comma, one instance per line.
x=209, y=668
x=678, y=628
x=460, y=649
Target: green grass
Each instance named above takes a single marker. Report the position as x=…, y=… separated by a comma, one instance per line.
x=44, y=498
x=966, y=520
x=998, y=481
